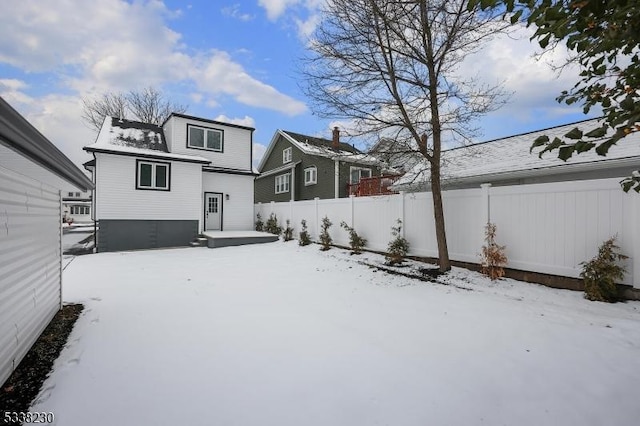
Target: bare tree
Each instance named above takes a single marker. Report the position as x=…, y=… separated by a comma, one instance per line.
x=147, y=105
x=109, y=104
x=391, y=67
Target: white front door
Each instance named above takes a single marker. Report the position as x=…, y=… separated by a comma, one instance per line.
x=213, y=212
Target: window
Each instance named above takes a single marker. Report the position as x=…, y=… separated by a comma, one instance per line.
x=204, y=138
x=80, y=210
x=77, y=194
x=70, y=194
x=310, y=175
x=357, y=173
x=282, y=183
x=286, y=155
x=153, y=175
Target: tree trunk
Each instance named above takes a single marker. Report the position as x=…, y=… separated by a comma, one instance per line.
x=438, y=212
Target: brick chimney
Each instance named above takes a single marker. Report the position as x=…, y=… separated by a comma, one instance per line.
x=336, y=137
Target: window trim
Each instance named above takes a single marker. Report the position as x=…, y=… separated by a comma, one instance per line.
x=314, y=173
x=205, y=128
x=286, y=183
x=351, y=170
x=287, y=155
x=153, y=186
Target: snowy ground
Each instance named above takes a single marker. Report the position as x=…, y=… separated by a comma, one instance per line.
x=276, y=334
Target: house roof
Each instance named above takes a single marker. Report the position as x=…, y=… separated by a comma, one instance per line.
x=20, y=135
x=206, y=120
x=511, y=157
x=126, y=137
x=311, y=145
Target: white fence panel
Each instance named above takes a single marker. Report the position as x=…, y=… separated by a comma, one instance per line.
x=373, y=218
x=419, y=227
x=337, y=210
x=464, y=223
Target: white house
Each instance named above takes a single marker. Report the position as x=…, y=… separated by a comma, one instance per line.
x=33, y=173
x=76, y=205
x=160, y=186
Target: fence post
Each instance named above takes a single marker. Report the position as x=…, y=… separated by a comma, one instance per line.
x=401, y=201
x=316, y=199
x=351, y=198
x=290, y=211
x=635, y=238
x=486, y=202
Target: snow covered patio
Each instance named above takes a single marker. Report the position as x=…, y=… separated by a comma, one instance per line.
x=277, y=334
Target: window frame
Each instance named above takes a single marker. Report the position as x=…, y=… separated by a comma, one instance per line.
x=205, y=130
x=314, y=173
x=154, y=165
x=284, y=185
x=287, y=155
x=359, y=169
x=84, y=210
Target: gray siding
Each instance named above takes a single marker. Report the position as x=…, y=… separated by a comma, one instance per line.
x=116, y=235
x=30, y=262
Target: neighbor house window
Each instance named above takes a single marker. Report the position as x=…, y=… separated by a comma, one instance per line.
x=204, y=138
x=286, y=155
x=357, y=173
x=152, y=175
x=80, y=210
x=310, y=175
x=71, y=194
x=282, y=183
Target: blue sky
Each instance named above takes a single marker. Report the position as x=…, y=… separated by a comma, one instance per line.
x=231, y=60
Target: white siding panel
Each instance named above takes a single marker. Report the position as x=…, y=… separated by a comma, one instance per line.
x=238, y=209
x=30, y=260
x=118, y=198
x=237, y=143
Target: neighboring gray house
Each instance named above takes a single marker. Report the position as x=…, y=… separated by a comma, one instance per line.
x=32, y=174
x=396, y=154
x=508, y=161
x=160, y=186
x=300, y=167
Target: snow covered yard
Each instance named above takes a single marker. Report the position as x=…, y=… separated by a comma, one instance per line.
x=277, y=334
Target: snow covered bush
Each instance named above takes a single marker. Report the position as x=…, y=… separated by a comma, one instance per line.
x=304, y=239
x=287, y=234
x=325, y=238
x=259, y=223
x=272, y=225
x=398, y=247
x=355, y=241
x=601, y=272
x=493, y=256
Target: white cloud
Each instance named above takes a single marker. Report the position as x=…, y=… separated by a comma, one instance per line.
x=533, y=82
x=275, y=8
x=233, y=11
x=258, y=152
x=11, y=90
x=243, y=121
x=218, y=74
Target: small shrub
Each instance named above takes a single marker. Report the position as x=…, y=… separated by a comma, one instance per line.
x=601, y=272
x=398, y=247
x=325, y=238
x=355, y=241
x=287, y=234
x=305, y=239
x=493, y=256
x=272, y=225
x=259, y=223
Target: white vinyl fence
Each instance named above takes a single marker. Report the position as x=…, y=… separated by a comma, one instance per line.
x=548, y=228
